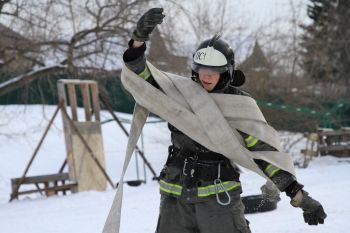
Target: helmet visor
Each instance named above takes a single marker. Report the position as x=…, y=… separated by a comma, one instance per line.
x=221, y=69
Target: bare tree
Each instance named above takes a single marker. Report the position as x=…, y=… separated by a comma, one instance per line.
x=74, y=36
x=2, y=4
x=190, y=22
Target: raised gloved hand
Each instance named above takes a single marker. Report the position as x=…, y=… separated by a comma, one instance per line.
x=313, y=210
x=147, y=23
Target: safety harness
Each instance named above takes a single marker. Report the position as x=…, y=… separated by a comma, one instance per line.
x=197, y=168
x=200, y=165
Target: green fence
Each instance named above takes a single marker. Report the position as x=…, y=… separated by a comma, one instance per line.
x=336, y=116
x=44, y=91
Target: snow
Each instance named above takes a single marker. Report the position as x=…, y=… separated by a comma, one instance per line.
x=327, y=179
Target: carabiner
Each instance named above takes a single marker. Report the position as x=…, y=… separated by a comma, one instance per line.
x=184, y=167
x=218, y=182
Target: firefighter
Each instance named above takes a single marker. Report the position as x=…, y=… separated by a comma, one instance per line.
x=200, y=189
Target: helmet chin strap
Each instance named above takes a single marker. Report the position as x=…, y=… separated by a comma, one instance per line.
x=195, y=77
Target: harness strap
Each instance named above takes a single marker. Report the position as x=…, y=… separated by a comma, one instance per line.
x=195, y=169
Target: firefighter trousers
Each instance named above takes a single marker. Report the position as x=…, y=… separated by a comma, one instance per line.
x=177, y=215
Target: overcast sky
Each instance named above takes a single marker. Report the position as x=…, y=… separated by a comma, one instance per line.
x=258, y=18
x=260, y=12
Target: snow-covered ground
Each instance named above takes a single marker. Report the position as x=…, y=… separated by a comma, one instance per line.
x=327, y=179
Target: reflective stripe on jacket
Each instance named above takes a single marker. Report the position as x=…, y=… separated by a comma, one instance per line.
x=205, y=191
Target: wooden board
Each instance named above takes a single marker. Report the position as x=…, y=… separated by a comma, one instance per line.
x=86, y=172
x=335, y=148
x=86, y=100
x=54, y=190
x=63, y=97
x=310, y=153
x=72, y=100
x=334, y=133
x=95, y=101
x=41, y=179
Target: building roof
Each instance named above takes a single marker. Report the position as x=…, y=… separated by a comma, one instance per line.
x=16, y=51
x=7, y=33
x=160, y=55
x=256, y=61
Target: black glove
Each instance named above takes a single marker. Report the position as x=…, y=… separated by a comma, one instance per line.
x=147, y=23
x=313, y=210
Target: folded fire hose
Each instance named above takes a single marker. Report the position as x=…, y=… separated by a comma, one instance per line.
x=208, y=118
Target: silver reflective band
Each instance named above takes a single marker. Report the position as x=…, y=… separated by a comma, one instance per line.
x=170, y=188
x=218, y=183
x=213, y=189
x=271, y=170
x=206, y=191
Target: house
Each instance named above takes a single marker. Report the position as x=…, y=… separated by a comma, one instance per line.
x=257, y=70
x=17, y=53
x=160, y=55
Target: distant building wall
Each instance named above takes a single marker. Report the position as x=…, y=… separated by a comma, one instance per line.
x=17, y=53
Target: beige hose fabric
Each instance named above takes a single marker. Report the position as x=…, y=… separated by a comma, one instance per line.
x=210, y=119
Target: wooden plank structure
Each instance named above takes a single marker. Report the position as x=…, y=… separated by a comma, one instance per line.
x=52, y=183
x=83, y=137
x=83, y=143
x=330, y=142
x=311, y=150
x=335, y=142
